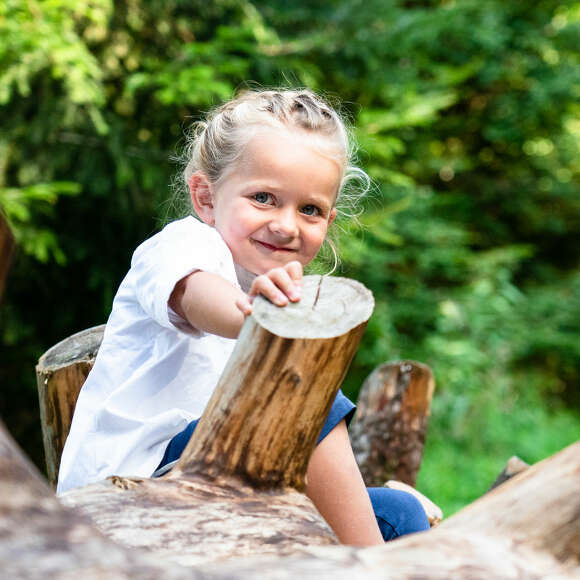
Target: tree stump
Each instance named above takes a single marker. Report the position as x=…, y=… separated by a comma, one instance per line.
x=60, y=374
x=389, y=428
x=236, y=489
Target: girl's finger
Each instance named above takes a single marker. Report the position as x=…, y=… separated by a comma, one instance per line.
x=282, y=278
x=265, y=286
x=244, y=305
x=294, y=270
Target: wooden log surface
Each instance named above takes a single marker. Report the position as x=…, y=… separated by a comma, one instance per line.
x=236, y=490
x=60, y=374
x=278, y=387
x=389, y=428
x=529, y=527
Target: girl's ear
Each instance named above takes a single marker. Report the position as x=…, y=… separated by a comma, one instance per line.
x=201, y=192
x=332, y=216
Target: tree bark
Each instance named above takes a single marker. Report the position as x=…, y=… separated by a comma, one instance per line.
x=6, y=251
x=236, y=490
x=389, y=428
x=60, y=374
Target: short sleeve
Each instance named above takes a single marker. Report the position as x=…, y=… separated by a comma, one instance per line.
x=179, y=249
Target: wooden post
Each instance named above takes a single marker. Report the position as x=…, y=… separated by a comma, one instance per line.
x=278, y=386
x=60, y=374
x=389, y=428
x=235, y=491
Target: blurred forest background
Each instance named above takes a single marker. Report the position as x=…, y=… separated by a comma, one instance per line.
x=468, y=119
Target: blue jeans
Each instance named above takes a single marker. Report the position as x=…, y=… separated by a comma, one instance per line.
x=397, y=512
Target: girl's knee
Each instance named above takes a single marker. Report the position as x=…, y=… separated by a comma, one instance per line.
x=398, y=513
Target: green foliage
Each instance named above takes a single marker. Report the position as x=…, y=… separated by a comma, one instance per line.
x=19, y=206
x=467, y=118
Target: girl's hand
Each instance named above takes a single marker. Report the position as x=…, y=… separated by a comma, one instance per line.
x=279, y=285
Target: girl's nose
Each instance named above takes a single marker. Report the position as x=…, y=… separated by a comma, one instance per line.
x=284, y=223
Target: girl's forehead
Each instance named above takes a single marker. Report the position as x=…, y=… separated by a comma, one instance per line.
x=271, y=142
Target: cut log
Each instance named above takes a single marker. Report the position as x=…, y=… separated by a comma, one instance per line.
x=528, y=527
x=6, y=251
x=236, y=489
x=60, y=374
x=389, y=428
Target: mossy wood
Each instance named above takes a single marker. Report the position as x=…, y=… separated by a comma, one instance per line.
x=237, y=488
x=390, y=425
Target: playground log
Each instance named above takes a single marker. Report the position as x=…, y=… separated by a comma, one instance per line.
x=237, y=490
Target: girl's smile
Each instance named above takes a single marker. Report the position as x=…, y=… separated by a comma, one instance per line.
x=276, y=204
x=272, y=248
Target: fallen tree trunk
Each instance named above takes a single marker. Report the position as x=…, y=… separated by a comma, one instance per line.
x=529, y=527
x=389, y=428
x=236, y=489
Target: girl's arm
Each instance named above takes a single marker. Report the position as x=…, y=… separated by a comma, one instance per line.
x=210, y=303
x=335, y=486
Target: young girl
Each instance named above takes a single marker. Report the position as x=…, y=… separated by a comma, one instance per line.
x=265, y=176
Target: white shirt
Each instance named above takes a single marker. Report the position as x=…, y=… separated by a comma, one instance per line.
x=154, y=372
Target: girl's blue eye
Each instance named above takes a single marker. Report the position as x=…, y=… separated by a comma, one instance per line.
x=263, y=197
x=310, y=210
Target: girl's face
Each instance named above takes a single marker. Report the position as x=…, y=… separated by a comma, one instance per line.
x=276, y=204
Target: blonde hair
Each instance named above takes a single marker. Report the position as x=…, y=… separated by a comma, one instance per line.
x=216, y=144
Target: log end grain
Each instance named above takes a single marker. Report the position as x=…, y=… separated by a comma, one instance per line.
x=330, y=306
x=80, y=347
